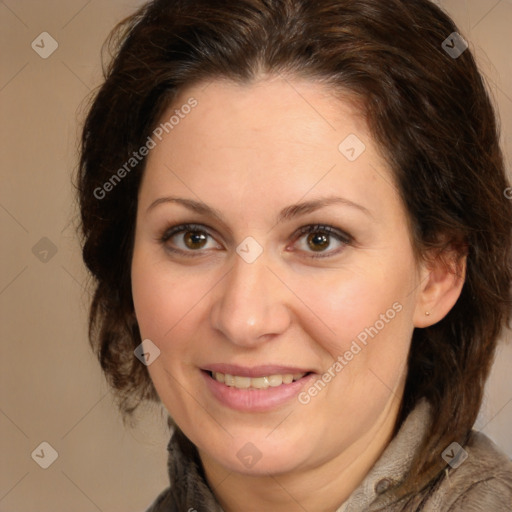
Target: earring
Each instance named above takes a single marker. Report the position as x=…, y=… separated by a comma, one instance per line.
x=427, y=313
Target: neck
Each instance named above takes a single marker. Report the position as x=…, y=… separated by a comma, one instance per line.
x=323, y=488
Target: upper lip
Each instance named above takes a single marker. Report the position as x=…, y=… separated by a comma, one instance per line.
x=254, y=371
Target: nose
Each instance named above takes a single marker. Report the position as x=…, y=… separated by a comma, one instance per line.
x=250, y=305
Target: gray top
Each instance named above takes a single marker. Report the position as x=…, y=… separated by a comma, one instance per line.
x=476, y=479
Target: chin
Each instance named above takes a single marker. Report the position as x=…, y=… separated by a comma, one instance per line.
x=258, y=457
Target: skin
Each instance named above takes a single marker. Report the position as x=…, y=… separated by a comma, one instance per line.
x=250, y=151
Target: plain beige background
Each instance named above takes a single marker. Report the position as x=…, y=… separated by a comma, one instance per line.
x=51, y=389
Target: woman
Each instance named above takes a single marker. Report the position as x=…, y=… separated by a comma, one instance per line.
x=294, y=214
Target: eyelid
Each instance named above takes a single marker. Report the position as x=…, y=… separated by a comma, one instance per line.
x=178, y=228
x=326, y=228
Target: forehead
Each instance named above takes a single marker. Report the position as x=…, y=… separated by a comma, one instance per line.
x=276, y=139
x=271, y=111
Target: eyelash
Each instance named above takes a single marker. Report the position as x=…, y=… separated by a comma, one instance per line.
x=331, y=231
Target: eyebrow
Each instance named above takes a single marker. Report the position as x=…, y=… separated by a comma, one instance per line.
x=286, y=214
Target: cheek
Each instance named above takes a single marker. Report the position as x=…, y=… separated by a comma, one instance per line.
x=165, y=304
x=171, y=307
x=161, y=298
x=369, y=318
x=347, y=305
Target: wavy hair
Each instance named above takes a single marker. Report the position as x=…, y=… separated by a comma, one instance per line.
x=429, y=112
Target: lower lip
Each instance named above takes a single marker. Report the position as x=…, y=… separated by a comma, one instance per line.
x=254, y=400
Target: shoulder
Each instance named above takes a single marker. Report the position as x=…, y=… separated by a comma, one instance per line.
x=479, y=481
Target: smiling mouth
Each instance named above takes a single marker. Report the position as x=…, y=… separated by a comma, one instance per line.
x=248, y=383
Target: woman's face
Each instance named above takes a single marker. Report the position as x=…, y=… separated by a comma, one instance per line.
x=293, y=260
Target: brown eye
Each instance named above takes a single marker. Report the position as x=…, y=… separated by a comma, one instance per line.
x=324, y=240
x=318, y=242
x=195, y=239
x=188, y=238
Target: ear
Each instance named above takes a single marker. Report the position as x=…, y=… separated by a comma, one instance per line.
x=442, y=278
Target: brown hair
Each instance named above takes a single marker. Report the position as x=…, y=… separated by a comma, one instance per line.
x=429, y=112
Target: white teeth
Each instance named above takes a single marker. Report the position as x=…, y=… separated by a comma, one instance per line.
x=260, y=383
x=287, y=378
x=242, y=382
x=238, y=382
x=275, y=380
